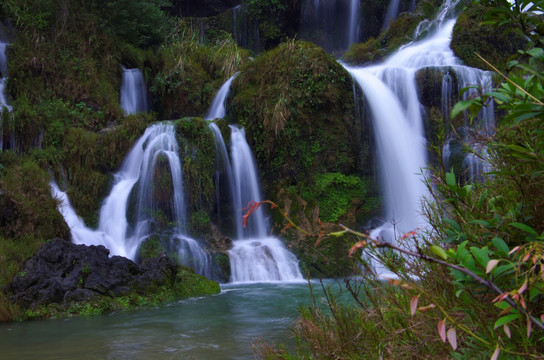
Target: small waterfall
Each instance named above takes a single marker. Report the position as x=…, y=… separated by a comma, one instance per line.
x=353, y=24
x=397, y=122
x=133, y=92
x=4, y=105
x=331, y=24
x=218, y=108
x=131, y=212
x=391, y=14
x=255, y=256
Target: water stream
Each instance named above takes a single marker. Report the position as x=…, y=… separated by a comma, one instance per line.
x=218, y=327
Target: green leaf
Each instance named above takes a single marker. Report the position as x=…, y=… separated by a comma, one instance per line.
x=524, y=227
x=453, y=224
x=501, y=246
x=450, y=179
x=479, y=222
x=481, y=255
x=505, y=320
x=438, y=251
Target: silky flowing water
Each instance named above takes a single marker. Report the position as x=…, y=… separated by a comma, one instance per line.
x=215, y=327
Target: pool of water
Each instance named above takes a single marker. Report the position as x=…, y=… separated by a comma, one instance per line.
x=215, y=327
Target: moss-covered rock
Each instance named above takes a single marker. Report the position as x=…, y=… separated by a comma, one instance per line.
x=296, y=105
x=64, y=279
x=470, y=36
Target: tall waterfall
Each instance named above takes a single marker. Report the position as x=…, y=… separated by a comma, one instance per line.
x=391, y=94
x=131, y=212
x=133, y=92
x=331, y=24
x=3, y=98
x=255, y=256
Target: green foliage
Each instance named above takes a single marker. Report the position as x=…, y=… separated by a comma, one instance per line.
x=470, y=36
x=295, y=105
x=334, y=193
x=197, y=153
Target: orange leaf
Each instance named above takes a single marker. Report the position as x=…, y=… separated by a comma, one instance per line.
x=425, y=308
x=523, y=287
x=442, y=330
x=495, y=355
x=452, y=338
x=396, y=282
x=357, y=245
x=413, y=304
x=522, y=302
x=506, y=329
x=491, y=265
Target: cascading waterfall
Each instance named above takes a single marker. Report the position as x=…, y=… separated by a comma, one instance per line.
x=397, y=121
x=255, y=256
x=133, y=92
x=129, y=215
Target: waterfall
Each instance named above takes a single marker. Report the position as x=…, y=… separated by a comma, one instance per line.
x=391, y=14
x=218, y=109
x=3, y=98
x=391, y=94
x=331, y=24
x=133, y=92
x=353, y=24
x=255, y=256
x=131, y=213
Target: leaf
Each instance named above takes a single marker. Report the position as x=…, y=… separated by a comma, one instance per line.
x=425, y=308
x=495, y=355
x=529, y=327
x=500, y=245
x=438, y=251
x=491, y=265
x=505, y=320
x=507, y=331
x=413, y=304
x=524, y=227
x=452, y=338
x=450, y=179
x=481, y=255
x=442, y=330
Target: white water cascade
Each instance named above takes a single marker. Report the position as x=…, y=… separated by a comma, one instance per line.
x=133, y=92
x=391, y=94
x=129, y=214
x=255, y=256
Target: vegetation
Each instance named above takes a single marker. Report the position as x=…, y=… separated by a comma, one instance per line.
x=473, y=285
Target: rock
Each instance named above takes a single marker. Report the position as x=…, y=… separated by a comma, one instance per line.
x=62, y=272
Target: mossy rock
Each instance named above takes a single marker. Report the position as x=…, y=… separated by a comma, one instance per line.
x=470, y=36
x=296, y=105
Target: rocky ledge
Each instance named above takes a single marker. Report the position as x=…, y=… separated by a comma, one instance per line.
x=63, y=275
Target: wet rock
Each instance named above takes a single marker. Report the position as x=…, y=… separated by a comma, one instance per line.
x=62, y=272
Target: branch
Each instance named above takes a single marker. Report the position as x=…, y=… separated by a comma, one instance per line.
x=490, y=285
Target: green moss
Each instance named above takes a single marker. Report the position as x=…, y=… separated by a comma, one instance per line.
x=470, y=36
x=197, y=152
x=295, y=103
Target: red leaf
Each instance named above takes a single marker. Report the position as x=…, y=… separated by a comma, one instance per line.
x=495, y=355
x=425, y=308
x=357, y=245
x=442, y=330
x=452, y=338
x=413, y=304
x=523, y=287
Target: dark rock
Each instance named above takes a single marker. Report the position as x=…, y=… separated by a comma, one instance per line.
x=62, y=272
